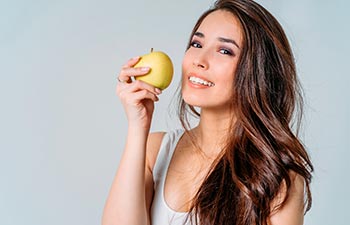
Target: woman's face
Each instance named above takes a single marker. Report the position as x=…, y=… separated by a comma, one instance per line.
x=209, y=65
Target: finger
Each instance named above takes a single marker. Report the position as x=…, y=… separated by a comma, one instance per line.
x=129, y=89
x=131, y=62
x=140, y=85
x=144, y=94
x=135, y=98
x=127, y=73
x=123, y=77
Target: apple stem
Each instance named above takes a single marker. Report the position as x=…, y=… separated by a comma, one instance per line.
x=151, y=49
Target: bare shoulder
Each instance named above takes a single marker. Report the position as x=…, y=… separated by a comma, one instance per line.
x=292, y=212
x=154, y=141
x=298, y=184
x=153, y=144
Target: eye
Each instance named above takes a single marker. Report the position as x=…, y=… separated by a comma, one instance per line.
x=226, y=51
x=196, y=44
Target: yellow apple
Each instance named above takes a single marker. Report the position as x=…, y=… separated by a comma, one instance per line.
x=161, y=72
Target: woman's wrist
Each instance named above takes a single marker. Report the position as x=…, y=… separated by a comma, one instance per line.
x=140, y=126
x=137, y=130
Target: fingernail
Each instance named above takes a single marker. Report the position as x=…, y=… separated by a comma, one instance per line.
x=144, y=69
x=158, y=91
x=136, y=57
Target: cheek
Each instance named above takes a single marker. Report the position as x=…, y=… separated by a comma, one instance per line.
x=226, y=81
x=226, y=88
x=185, y=62
x=183, y=72
x=226, y=74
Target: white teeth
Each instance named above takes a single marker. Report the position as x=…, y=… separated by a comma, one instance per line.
x=197, y=80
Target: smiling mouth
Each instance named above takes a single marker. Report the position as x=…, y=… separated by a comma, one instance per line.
x=197, y=80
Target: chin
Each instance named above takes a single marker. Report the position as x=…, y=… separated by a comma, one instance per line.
x=207, y=104
x=208, y=100
x=196, y=101
x=192, y=99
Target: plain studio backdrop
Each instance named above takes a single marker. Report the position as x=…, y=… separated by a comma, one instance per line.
x=62, y=128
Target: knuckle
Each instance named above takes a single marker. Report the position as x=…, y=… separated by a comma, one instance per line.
x=138, y=83
x=123, y=94
x=123, y=72
x=126, y=65
x=144, y=92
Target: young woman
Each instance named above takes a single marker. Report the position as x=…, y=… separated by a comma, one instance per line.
x=241, y=164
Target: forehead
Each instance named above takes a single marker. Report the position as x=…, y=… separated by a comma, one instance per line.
x=222, y=23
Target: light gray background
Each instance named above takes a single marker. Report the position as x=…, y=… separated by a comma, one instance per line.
x=62, y=128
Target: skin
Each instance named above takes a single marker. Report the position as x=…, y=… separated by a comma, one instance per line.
x=213, y=57
x=214, y=60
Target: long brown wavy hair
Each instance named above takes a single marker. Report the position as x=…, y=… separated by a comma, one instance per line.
x=262, y=146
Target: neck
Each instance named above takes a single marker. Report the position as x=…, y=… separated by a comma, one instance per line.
x=211, y=131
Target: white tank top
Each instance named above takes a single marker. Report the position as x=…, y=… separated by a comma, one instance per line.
x=161, y=213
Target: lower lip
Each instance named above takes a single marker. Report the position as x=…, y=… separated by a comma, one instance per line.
x=198, y=86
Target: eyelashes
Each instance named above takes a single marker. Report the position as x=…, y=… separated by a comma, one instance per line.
x=222, y=50
x=226, y=51
x=195, y=44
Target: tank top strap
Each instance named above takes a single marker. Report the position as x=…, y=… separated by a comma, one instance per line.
x=161, y=213
x=165, y=154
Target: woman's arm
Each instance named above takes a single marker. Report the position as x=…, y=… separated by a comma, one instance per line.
x=292, y=212
x=127, y=201
x=131, y=193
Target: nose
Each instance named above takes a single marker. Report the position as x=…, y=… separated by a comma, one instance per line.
x=201, y=61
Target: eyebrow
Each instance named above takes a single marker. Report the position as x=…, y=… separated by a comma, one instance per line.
x=221, y=39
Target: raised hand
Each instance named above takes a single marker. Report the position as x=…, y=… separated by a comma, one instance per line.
x=136, y=96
